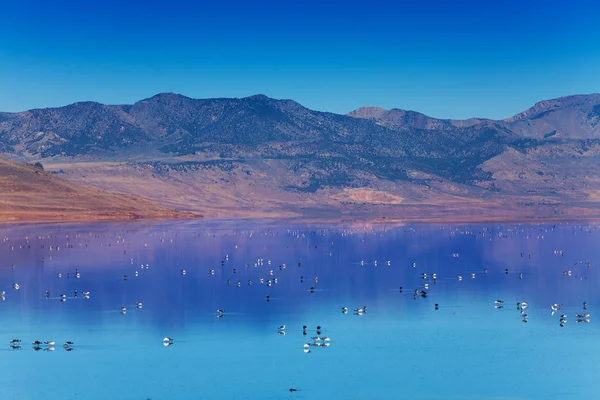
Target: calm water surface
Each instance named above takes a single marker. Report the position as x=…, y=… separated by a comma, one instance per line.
x=401, y=347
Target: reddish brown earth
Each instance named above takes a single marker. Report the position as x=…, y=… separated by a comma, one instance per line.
x=28, y=193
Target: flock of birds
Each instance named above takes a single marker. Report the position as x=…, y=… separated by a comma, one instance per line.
x=48, y=345
x=268, y=275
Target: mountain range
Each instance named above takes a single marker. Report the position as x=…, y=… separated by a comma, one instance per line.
x=261, y=157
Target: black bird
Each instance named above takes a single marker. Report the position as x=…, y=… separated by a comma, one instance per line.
x=293, y=390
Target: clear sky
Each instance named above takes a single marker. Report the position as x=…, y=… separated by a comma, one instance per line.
x=446, y=58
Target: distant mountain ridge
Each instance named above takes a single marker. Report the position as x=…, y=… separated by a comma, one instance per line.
x=257, y=155
x=575, y=116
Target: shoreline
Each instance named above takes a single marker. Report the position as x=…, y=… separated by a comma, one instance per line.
x=351, y=220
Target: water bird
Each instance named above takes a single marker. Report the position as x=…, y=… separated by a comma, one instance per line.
x=212, y=272
x=68, y=343
x=36, y=343
x=344, y=310
x=183, y=272
x=15, y=286
x=293, y=390
x=15, y=341
x=49, y=343
x=167, y=340
x=581, y=316
x=138, y=304
x=123, y=310
x=281, y=327
x=459, y=278
x=498, y=301
x=585, y=305
x=472, y=276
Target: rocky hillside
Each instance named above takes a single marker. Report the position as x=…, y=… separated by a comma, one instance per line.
x=259, y=156
x=31, y=194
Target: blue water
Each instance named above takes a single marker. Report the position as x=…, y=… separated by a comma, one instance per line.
x=402, y=347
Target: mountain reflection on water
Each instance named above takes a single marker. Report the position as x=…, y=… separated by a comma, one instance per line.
x=171, y=279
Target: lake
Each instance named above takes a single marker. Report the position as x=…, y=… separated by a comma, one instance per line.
x=407, y=333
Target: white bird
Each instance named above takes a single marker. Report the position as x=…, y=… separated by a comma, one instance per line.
x=167, y=340
x=281, y=327
x=49, y=343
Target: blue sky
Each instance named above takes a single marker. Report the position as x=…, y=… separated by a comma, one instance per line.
x=446, y=58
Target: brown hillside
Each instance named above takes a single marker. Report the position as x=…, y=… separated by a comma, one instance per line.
x=28, y=193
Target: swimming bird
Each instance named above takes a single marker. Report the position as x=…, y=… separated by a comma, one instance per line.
x=167, y=340
x=49, y=343
x=68, y=343
x=281, y=327
x=15, y=286
x=36, y=343
x=344, y=310
x=15, y=341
